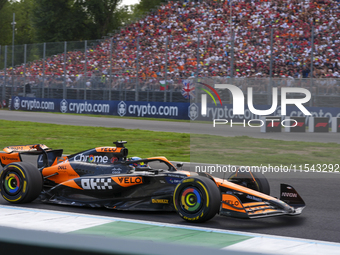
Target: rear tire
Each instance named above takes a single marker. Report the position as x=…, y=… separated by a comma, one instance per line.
x=197, y=199
x=251, y=180
x=20, y=182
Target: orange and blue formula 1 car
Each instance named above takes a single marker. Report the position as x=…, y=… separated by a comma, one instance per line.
x=106, y=177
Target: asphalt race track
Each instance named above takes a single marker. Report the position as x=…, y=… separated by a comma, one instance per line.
x=319, y=220
x=181, y=127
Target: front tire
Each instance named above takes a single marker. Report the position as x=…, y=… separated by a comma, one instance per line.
x=20, y=183
x=197, y=199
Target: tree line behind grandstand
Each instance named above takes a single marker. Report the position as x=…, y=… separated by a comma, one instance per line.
x=183, y=22
x=40, y=21
x=182, y=40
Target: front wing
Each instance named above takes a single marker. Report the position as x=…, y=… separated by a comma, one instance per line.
x=241, y=202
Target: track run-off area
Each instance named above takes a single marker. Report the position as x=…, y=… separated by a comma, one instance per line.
x=320, y=191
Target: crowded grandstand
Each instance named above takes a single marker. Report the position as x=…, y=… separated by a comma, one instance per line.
x=190, y=39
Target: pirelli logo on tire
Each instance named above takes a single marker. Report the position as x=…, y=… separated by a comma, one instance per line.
x=193, y=219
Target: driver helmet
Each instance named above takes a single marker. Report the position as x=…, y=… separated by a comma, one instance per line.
x=139, y=164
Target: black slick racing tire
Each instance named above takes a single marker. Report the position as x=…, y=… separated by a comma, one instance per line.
x=20, y=182
x=197, y=199
x=251, y=180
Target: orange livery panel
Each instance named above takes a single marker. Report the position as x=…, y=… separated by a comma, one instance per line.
x=233, y=186
x=9, y=158
x=58, y=160
x=22, y=148
x=231, y=202
x=127, y=181
x=109, y=149
x=117, y=151
x=60, y=173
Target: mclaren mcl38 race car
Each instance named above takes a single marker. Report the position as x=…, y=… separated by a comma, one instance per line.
x=106, y=177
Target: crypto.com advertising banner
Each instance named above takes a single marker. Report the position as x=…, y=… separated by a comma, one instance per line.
x=226, y=132
x=118, y=108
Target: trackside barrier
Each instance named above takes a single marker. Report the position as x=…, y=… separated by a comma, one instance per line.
x=105, y=107
x=153, y=109
x=271, y=124
x=318, y=124
x=300, y=124
x=336, y=125
x=19, y=241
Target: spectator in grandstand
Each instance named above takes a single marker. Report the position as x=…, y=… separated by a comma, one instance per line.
x=178, y=25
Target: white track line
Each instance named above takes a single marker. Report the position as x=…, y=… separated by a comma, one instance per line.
x=63, y=222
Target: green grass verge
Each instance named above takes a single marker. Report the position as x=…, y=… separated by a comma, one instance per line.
x=142, y=143
x=241, y=150
x=248, y=151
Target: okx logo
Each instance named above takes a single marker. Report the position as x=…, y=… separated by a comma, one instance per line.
x=204, y=98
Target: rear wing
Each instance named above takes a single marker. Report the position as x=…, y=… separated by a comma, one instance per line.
x=46, y=155
x=29, y=149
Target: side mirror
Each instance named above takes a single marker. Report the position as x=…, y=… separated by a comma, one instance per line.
x=179, y=165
